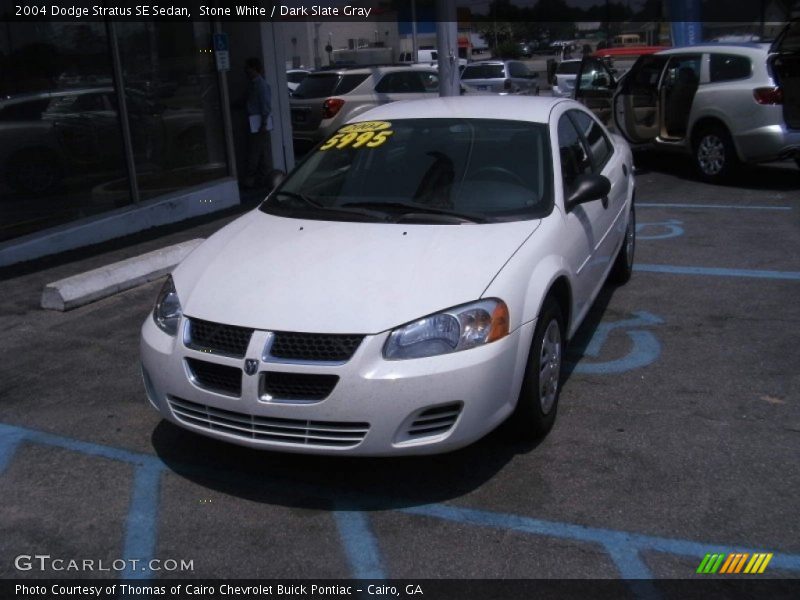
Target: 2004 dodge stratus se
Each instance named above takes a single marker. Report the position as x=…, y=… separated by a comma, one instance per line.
x=409, y=286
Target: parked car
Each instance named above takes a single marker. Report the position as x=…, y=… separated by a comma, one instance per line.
x=294, y=77
x=325, y=100
x=723, y=103
x=564, y=78
x=501, y=77
x=408, y=287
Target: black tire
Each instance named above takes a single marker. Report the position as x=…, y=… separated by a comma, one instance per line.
x=797, y=161
x=714, y=154
x=623, y=264
x=534, y=416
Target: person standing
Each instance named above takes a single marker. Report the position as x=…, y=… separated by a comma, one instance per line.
x=258, y=104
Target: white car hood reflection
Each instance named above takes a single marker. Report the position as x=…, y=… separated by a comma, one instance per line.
x=282, y=274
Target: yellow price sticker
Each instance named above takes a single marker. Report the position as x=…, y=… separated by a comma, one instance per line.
x=356, y=139
x=366, y=126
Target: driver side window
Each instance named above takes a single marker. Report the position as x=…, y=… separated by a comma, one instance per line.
x=575, y=160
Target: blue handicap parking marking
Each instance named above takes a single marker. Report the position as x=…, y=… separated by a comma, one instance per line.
x=352, y=521
x=663, y=230
x=645, y=350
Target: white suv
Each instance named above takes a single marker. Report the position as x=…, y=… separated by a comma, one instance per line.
x=325, y=100
x=723, y=103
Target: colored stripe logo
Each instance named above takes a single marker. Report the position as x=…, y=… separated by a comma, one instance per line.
x=734, y=563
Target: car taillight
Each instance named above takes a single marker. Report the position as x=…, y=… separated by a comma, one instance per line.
x=507, y=84
x=330, y=107
x=768, y=95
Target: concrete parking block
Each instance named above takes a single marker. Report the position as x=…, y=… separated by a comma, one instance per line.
x=102, y=282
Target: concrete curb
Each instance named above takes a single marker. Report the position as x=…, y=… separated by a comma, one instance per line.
x=84, y=288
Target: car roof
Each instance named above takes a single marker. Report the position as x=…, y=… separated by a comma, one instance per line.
x=753, y=48
x=365, y=70
x=487, y=62
x=534, y=109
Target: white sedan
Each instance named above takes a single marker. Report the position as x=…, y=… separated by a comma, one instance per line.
x=404, y=290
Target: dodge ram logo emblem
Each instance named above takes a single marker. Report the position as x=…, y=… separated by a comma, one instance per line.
x=250, y=366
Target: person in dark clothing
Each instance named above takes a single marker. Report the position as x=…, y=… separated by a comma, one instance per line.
x=258, y=105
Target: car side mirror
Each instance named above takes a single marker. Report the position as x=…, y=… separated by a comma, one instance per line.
x=601, y=81
x=588, y=188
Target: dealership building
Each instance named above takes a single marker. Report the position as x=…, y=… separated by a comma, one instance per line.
x=108, y=128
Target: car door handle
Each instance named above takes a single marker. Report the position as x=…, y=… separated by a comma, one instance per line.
x=625, y=170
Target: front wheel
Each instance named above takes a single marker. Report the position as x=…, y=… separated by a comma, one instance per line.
x=538, y=399
x=623, y=264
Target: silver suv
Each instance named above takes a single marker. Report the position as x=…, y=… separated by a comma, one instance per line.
x=723, y=103
x=326, y=99
x=501, y=77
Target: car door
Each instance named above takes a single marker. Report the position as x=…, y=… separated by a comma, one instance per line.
x=522, y=79
x=629, y=106
x=610, y=222
x=676, y=94
x=637, y=107
x=593, y=228
x=594, y=88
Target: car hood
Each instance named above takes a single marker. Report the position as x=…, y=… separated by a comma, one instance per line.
x=276, y=273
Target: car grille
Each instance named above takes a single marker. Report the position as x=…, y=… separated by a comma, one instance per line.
x=268, y=429
x=314, y=346
x=218, y=338
x=435, y=421
x=215, y=377
x=298, y=386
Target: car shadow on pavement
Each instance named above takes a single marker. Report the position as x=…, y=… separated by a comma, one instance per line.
x=333, y=482
x=775, y=176
x=580, y=341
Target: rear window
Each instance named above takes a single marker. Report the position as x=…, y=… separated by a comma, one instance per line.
x=726, y=67
x=328, y=84
x=568, y=68
x=483, y=72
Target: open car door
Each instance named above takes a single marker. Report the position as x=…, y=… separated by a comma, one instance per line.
x=594, y=88
x=629, y=106
x=784, y=59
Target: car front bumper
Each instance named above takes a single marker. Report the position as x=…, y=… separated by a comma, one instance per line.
x=378, y=407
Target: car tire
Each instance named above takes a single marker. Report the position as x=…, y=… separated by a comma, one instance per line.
x=715, y=157
x=623, y=264
x=537, y=404
x=797, y=161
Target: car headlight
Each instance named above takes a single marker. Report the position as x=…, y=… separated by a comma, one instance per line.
x=167, y=312
x=452, y=330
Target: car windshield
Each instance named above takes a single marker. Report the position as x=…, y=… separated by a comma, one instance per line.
x=425, y=170
x=483, y=72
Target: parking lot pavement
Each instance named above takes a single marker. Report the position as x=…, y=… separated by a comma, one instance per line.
x=678, y=431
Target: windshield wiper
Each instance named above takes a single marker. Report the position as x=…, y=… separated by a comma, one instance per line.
x=411, y=208
x=308, y=201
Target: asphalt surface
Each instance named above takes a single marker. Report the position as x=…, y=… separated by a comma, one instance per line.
x=678, y=430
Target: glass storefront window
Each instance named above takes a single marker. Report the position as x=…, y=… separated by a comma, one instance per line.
x=60, y=136
x=62, y=154
x=173, y=103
